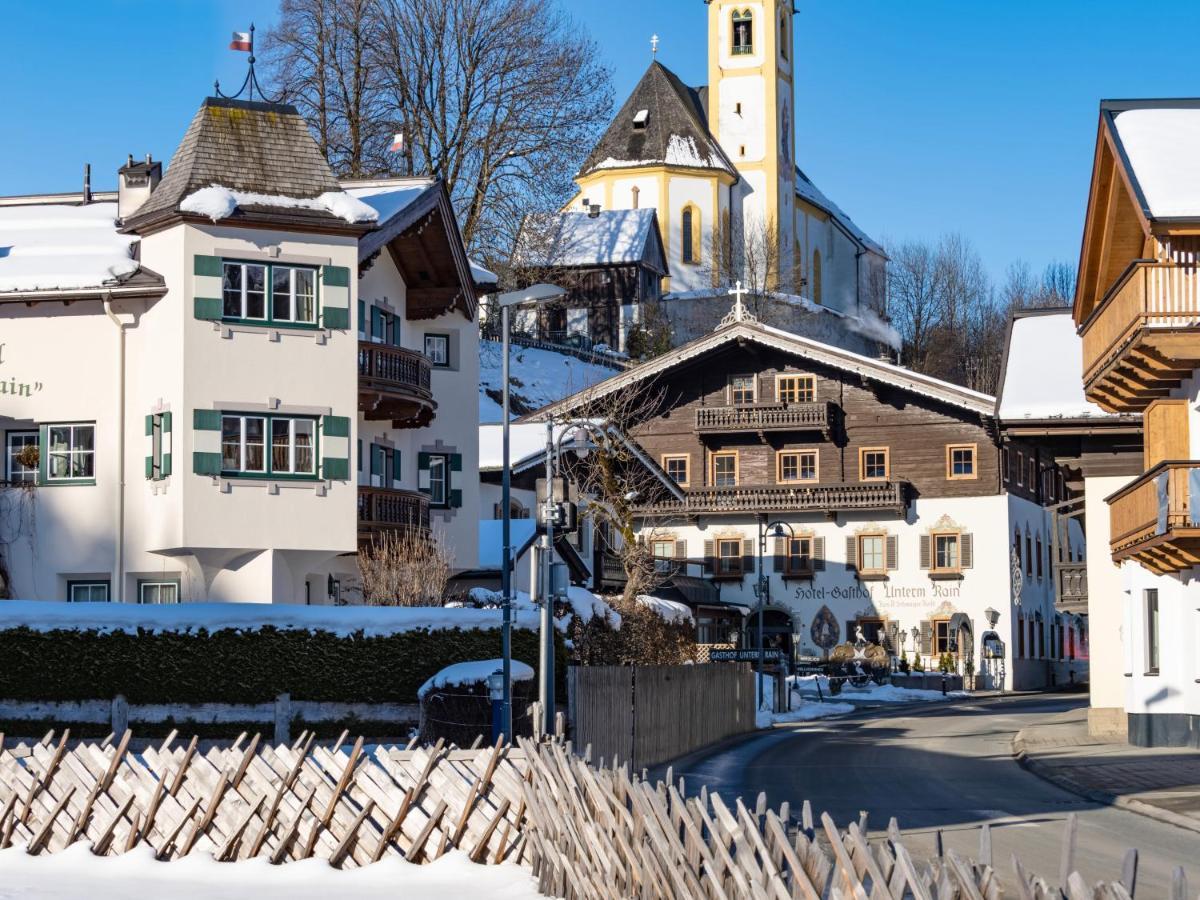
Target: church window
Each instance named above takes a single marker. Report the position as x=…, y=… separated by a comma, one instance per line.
x=816, y=277
x=783, y=35
x=743, y=33
x=690, y=227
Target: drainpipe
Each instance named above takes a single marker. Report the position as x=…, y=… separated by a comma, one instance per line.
x=119, y=574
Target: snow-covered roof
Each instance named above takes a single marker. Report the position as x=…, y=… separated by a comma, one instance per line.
x=483, y=275
x=1043, y=378
x=613, y=237
x=808, y=191
x=216, y=203
x=826, y=354
x=391, y=197
x=63, y=247
x=1161, y=142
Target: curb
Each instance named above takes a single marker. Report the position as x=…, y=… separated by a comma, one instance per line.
x=1047, y=773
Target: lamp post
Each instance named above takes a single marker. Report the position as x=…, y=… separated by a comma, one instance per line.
x=764, y=590
x=536, y=293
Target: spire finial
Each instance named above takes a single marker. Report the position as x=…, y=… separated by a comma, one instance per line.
x=654, y=45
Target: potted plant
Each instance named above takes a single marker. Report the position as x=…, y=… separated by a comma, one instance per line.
x=29, y=456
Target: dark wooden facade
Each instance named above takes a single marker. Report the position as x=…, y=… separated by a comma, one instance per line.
x=601, y=291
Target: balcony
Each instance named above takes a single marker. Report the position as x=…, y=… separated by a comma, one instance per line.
x=1152, y=519
x=382, y=510
x=394, y=383
x=1071, y=595
x=1144, y=337
x=890, y=497
x=761, y=418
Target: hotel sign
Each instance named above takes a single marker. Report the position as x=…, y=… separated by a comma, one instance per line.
x=884, y=594
x=11, y=385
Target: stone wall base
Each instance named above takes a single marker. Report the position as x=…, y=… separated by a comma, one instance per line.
x=1107, y=721
x=1164, y=730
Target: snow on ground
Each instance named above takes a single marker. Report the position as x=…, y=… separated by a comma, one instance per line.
x=801, y=711
x=472, y=671
x=1050, y=388
x=62, y=247
x=1163, y=146
x=75, y=872
x=806, y=685
x=342, y=620
x=218, y=202
x=537, y=378
x=671, y=610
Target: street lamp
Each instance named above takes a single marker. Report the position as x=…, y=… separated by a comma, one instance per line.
x=534, y=294
x=777, y=530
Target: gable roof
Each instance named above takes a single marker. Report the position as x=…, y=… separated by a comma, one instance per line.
x=570, y=239
x=675, y=130
x=810, y=193
x=1158, y=143
x=750, y=330
x=262, y=151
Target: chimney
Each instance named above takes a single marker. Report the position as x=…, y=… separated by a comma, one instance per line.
x=87, y=183
x=594, y=211
x=135, y=181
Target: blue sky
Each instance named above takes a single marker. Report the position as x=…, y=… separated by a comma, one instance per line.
x=916, y=116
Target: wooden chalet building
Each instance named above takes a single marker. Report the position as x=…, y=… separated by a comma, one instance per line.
x=880, y=493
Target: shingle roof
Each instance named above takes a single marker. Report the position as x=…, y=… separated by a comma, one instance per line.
x=675, y=131
x=251, y=147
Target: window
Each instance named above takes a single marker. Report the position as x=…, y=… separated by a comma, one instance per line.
x=1020, y=469
x=244, y=446
x=1028, y=556
x=724, y=470
x=676, y=468
x=873, y=464
x=1031, y=479
x=946, y=552
x=942, y=642
x=1020, y=638
x=796, y=465
x=1004, y=464
x=1039, y=557
x=158, y=592
x=816, y=278
x=743, y=33
x=689, y=226
x=17, y=471
x=663, y=550
x=871, y=556
x=1152, y=645
x=729, y=557
x=741, y=389
x=439, y=479
x=158, y=429
x=799, y=556
x=87, y=591
x=960, y=461
x=269, y=293
x=437, y=348
x=795, y=388
x=70, y=452
x=783, y=35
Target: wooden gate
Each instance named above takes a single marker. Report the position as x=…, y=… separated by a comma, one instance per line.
x=647, y=715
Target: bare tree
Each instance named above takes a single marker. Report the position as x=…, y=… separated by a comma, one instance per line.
x=410, y=567
x=914, y=290
x=501, y=98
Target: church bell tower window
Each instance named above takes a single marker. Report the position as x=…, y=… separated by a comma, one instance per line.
x=743, y=33
x=783, y=35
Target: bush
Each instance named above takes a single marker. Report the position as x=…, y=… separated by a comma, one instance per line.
x=250, y=666
x=645, y=638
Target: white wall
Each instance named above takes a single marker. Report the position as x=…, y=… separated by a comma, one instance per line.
x=1106, y=610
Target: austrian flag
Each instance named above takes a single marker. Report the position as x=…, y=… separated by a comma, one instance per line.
x=241, y=41
x=397, y=143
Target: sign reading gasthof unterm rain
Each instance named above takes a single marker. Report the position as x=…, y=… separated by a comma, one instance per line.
x=12, y=385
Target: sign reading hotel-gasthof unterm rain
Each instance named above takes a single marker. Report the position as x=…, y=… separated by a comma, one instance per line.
x=10, y=383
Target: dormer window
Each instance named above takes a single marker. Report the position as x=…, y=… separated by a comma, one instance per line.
x=743, y=33
x=640, y=118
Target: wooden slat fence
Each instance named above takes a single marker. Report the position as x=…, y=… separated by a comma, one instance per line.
x=648, y=715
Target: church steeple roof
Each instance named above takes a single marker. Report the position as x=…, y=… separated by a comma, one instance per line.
x=662, y=123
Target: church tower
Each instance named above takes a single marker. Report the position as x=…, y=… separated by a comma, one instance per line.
x=751, y=112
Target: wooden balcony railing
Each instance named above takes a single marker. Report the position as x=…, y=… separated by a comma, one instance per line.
x=884, y=496
x=1142, y=338
x=1072, y=587
x=385, y=509
x=1152, y=519
x=394, y=383
x=777, y=417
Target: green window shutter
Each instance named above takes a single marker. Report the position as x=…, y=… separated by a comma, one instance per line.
x=166, y=422
x=335, y=468
x=206, y=419
x=164, y=468
x=207, y=265
x=362, y=316
x=335, y=276
x=336, y=426
x=44, y=445
x=455, y=462
x=377, y=459
x=396, y=465
x=455, y=499
x=358, y=454
x=206, y=463
x=149, y=425
x=208, y=308
x=149, y=466
x=335, y=317
x=423, y=461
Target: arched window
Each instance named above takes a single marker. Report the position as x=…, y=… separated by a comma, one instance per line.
x=743, y=32
x=783, y=35
x=689, y=227
x=816, y=277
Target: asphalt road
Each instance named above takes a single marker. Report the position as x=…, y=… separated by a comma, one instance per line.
x=947, y=768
